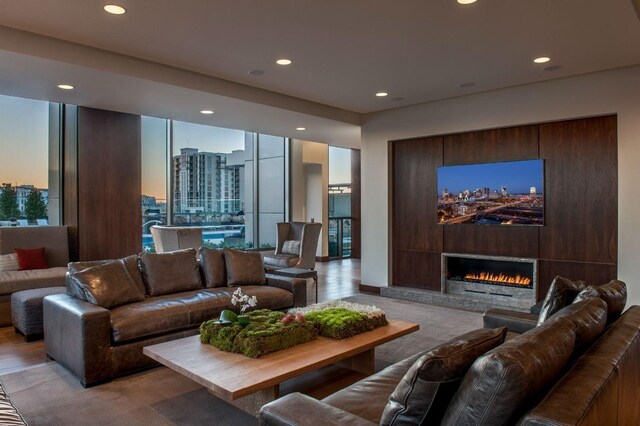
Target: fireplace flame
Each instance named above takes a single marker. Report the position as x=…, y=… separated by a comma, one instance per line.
x=499, y=278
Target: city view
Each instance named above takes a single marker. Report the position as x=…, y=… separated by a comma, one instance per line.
x=509, y=193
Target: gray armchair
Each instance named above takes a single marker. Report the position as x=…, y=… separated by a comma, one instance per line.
x=171, y=238
x=296, y=246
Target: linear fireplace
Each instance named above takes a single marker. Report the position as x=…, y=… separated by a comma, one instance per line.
x=507, y=281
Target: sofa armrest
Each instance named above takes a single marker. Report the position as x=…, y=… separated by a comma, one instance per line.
x=297, y=286
x=516, y=322
x=297, y=409
x=77, y=334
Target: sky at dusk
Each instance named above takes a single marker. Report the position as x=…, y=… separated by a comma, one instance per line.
x=24, y=140
x=517, y=176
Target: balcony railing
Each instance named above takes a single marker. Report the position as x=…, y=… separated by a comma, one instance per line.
x=339, y=237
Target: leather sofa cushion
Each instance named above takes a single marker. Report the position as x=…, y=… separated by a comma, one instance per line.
x=170, y=272
x=424, y=392
x=12, y=281
x=244, y=267
x=130, y=262
x=213, y=267
x=500, y=384
x=561, y=293
x=614, y=293
x=368, y=397
x=268, y=297
x=589, y=318
x=516, y=322
x=107, y=285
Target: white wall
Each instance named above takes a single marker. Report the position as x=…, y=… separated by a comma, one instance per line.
x=616, y=91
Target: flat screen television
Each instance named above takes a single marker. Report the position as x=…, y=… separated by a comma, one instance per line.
x=506, y=193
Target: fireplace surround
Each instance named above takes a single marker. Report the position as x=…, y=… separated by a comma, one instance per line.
x=506, y=281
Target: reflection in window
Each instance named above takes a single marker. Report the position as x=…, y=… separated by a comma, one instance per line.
x=24, y=162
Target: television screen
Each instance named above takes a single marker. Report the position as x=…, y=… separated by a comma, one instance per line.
x=507, y=193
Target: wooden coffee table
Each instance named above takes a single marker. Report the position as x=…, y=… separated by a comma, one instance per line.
x=250, y=383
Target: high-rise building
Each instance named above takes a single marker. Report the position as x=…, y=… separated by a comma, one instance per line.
x=207, y=182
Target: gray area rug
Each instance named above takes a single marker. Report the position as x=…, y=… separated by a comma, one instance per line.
x=49, y=395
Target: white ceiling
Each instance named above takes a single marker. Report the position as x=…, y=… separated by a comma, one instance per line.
x=346, y=51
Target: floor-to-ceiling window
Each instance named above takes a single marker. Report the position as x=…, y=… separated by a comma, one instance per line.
x=339, y=202
x=154, y=176
x=25, y=171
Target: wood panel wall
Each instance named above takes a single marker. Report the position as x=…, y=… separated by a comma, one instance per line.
x=579, y=238
x=103, y=183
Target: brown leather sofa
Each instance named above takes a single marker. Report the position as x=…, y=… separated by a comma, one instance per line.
x=97, y=344
x=510, y=384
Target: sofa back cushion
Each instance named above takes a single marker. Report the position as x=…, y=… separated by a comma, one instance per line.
x=614, y=293
x=244, y=267
x=213, y=267
x=426, y=389
x=54, y=239
x=130, y=262
x=501, y=384
x=108, y=285
x=170, y=272
x=589, y=318
x=561, y=293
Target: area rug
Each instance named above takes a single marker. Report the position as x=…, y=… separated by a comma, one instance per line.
x=48, y=394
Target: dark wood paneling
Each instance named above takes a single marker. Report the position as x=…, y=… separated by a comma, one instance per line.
x=355, y=204
x=368, y=289
x=109, y=179
x=591, y=273
x=508, y=144
x=416, y=269
x=414, y=190
x=581, y=204
x=492, y=240
x=70, y=178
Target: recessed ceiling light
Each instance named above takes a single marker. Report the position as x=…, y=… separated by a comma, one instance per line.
x=283, y=61
x=466, y=1
x=382, y=94
x=301, y=128
x=256, y=73
x=206, y=111
x=467, y=84
x=541, y=60
x=65, y=86
x=114, y=9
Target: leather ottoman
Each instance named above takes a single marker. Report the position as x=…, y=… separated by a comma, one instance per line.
x=26, y=310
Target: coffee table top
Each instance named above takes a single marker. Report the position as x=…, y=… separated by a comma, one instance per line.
x=231, y=376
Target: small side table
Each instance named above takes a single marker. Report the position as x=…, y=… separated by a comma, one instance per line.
x=298, y=273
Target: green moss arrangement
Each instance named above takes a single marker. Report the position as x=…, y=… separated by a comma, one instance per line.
x=339, y=323
x=265, y=334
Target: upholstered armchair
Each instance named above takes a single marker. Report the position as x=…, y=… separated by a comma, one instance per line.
x=171, y=238
x=296, y=246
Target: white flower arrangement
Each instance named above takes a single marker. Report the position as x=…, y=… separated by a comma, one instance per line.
x=370, y=310
x=244, y=300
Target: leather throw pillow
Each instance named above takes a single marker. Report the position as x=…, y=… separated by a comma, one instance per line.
x=589, y=318
x=213, y=267
x=130, y=262
x=170, y=272
x=426, y=389
x=108, y=285
x=502, y=384
x=244, y=267
x=614, y=293
x=561, y=293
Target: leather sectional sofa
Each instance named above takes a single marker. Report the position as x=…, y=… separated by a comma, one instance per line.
x=581, y=366
x=178, y=293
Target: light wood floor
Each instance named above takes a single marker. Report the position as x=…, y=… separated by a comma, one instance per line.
x=336, y=279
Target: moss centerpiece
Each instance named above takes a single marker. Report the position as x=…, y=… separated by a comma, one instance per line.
x=340, y=319
x=265, y=333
